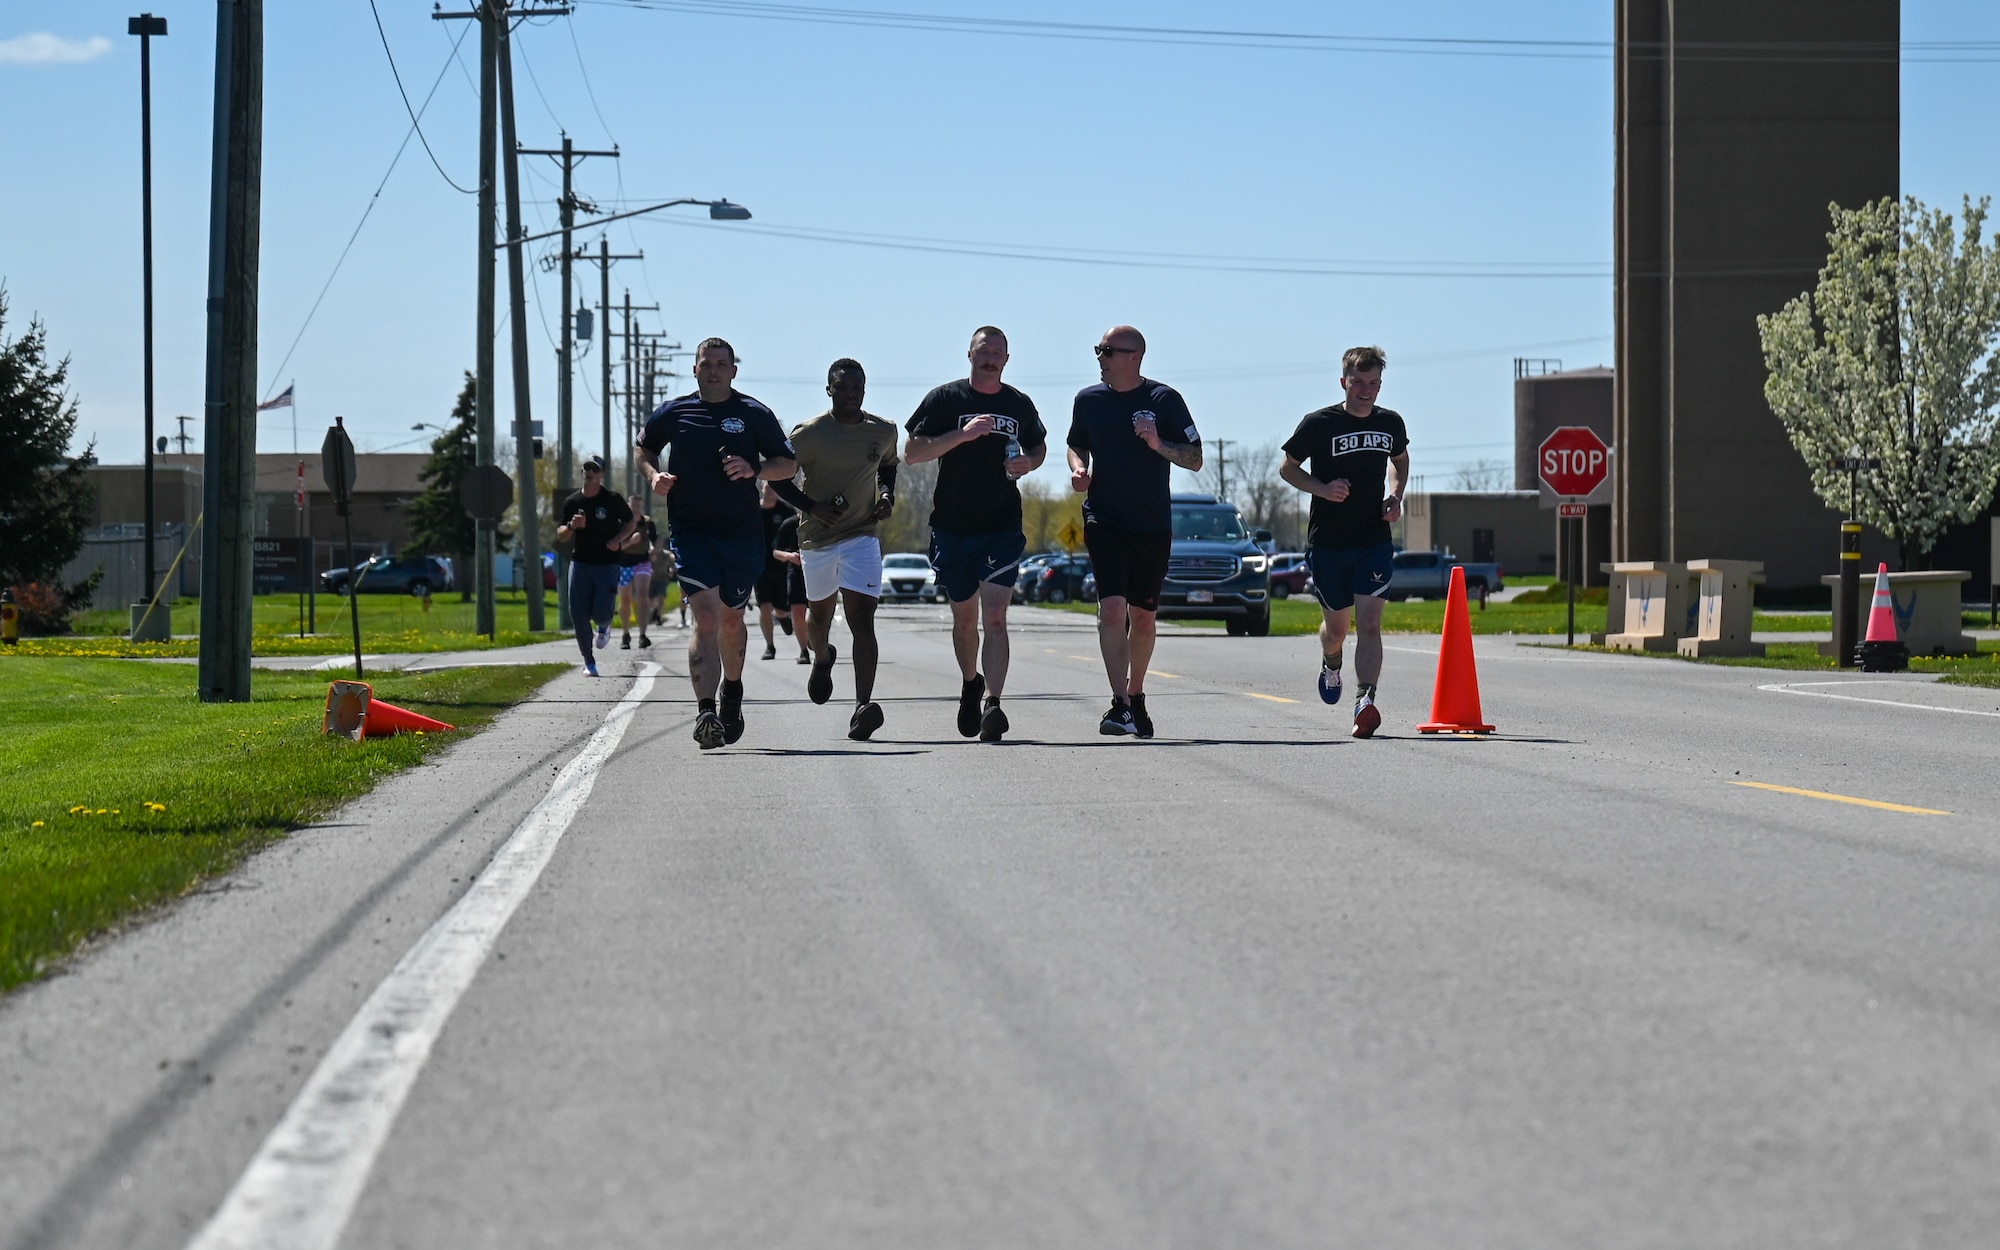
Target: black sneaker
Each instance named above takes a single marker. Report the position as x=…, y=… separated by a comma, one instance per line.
x=625, y=643
x=1142, y=724
x=1118, y=721
x=785, y=623
x=708, y=731
x=805, y=657
x=819, y=683
x=732, y=711
x=643, y=640
x=992, y=722
x=866, y=720
x=770, y=651
x=968, y=706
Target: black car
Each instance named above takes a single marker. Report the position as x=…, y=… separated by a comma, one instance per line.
x=1057, y=581
x=390, y=575
x=1219, y=568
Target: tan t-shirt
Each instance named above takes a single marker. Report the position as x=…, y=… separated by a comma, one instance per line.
x=837, y=459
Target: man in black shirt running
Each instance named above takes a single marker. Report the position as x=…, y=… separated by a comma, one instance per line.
x=598, y=522
x=984, y=435
x=1125, y=435
x=721, y=443
x=1343, y=456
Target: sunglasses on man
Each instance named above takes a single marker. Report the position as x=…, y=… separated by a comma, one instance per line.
x=1103, y=350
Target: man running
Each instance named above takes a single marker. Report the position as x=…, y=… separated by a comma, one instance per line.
x=635, y=574
x=773, y=598
x=984, y=435
x=849, y=461
x=1125, y=435
x=722, y=442
x=1342, y=457
x=598, y=522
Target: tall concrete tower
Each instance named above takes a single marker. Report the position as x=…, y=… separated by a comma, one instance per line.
x=1738, y=122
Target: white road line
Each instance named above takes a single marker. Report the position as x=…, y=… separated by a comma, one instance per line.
x=301, y=1187
x=1793, y=688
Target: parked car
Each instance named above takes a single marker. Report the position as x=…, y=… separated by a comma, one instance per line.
x=1028, y=570
x=1289, y=574
x=1427, y=575
x=1217, y=569
x=1060, y=580
x=907, y=577
x=390, y=575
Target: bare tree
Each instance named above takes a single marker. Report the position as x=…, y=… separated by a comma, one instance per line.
x=1482, y=475
x=909, y=526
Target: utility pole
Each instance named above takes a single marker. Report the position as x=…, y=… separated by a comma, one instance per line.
x=569, y=155
x=182, y=437
x=230, y=409
x=146, y=26
x=1221, y=468
x=527, y=530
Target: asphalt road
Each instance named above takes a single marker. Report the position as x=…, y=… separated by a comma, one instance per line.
x=1250, y=984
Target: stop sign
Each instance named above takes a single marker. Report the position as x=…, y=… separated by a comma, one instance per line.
x=1573, y=461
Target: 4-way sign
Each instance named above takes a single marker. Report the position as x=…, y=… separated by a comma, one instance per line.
x=1574, y=465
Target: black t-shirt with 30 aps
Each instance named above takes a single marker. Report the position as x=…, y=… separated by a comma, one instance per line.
x=1334, y=443
x=604, y=514
x=697, y=436
x=974, y=494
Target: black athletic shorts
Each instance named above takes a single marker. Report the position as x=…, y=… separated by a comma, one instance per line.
x=773, y=586
x=1129, y=566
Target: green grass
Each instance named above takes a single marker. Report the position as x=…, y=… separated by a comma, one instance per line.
x=119, y=790
x=389, y=623
x=1979, y=669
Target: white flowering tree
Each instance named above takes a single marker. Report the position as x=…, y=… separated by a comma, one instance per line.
x=1892, y=359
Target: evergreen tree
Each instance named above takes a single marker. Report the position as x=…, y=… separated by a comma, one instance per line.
x=439, y=523
x=45, y=497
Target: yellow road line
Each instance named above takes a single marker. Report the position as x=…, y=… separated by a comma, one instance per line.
x=1154, y=672
x=1272, y=697
x=1842, y=798
x=1087, y=659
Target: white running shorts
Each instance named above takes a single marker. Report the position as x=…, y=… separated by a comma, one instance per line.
x=851, y=564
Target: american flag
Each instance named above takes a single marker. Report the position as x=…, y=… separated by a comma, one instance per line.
x=302, y=480
x=282, y=401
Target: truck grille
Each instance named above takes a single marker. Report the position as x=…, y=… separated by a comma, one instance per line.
x=1201, y=568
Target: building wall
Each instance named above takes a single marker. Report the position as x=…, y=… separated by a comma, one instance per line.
x=1726, y=163
x=1523, y=531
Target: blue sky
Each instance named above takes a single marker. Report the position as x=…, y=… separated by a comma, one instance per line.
x=1144, y=153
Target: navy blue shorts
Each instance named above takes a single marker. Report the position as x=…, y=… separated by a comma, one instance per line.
x=718, y=562
x=963, y=561
x=1343, y=574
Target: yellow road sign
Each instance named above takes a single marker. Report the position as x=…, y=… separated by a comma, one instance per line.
x=1071, y=537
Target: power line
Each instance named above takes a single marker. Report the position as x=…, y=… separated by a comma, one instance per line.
x=414, y=125
x=1856, y=52
x=372, y=200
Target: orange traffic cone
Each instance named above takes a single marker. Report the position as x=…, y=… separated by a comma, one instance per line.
x=353, y=710
x=1882, y=651
x=1455, y=697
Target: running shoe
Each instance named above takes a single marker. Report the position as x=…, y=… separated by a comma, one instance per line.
x=968, y=706
x=819, y=683
x=643, y=640
x=866, y=720
x=708, y=731
x=1329, y=685
x=785, y=623
x=1367, y=719
x=603, y=637
x=732, y=711
x=770, y=651
x=625, y=643
x=1118, y=721
x=1142, y=724
x=992, y=722
x=590, y=666
x=805, y=657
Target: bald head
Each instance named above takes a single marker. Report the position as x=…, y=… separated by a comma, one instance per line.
x=1121, y=353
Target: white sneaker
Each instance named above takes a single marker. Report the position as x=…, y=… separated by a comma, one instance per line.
x=603, y=636
x=1367, y=718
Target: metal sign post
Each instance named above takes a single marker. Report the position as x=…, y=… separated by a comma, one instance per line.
x=336, y=466
x=486, y=492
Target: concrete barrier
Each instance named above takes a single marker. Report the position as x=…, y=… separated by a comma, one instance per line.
x=1926, y=610
x=1725, y=591
x=1658, y=606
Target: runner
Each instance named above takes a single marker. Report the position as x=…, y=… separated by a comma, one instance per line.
x=774, y=602
x=722, y=443
x=598, y=522
x=635, y=574
x=1342, y=456
x=1125, y=435
x=791, y=580
x=984, y=435
x=848, y=459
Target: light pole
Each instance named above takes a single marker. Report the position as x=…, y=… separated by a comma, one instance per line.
x=145, y=26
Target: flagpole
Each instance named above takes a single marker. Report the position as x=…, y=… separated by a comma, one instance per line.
x=289, y=385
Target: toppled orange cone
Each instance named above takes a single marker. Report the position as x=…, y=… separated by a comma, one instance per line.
x=1455, y=697
x=353, y=711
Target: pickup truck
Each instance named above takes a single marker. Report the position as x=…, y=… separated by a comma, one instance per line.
x=1427, y=575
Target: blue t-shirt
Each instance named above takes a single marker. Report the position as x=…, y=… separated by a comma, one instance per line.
x=1129, y=481
x=698, y=435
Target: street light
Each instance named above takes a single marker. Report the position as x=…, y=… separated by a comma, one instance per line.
x=145, y=26
x=718, y=210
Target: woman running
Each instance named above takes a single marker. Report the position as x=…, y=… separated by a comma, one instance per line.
x=635, y=575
